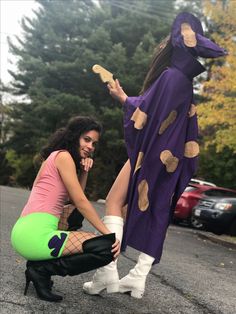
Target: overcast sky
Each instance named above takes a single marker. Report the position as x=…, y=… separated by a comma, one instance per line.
x=11, y=12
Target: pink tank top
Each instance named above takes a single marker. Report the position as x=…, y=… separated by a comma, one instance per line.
x=49, y=193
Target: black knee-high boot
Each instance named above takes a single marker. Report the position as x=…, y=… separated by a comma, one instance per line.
x=30, y=263
x=96, y=253
x=74, y=220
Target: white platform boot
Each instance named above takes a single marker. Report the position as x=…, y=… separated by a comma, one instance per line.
x=107, y=277
x=135, y=281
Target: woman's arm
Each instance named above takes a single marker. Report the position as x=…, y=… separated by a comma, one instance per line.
x=83, y=177
x=117, y=92
x=86, y=165
x=67, y=170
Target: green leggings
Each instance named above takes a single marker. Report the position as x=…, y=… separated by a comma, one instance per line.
x=36, y=237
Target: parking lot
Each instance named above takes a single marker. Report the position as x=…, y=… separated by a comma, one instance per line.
x=195, y=275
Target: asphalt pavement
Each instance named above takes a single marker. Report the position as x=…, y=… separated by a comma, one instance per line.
x=194, y=276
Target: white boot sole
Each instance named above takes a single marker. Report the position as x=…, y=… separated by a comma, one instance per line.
x=110, y=288
x=135, y=293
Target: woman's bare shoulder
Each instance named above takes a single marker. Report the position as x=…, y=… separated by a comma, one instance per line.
x=62, y=157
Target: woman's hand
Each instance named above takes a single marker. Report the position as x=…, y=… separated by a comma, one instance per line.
x=117, y=92
x=116, y=249
x=86, y=164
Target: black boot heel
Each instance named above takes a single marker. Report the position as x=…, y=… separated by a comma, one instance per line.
x=41, y=282
x=28, y=264
x=27, y=279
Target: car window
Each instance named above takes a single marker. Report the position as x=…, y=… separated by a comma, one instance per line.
x=223, y=193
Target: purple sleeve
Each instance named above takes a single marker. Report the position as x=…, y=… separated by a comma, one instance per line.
x=206, y=48
x=130, y=105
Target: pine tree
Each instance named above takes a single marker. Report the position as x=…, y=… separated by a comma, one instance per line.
x=59, y=48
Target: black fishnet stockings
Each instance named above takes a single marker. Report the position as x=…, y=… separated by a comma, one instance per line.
x=75, y=241
x=63, y=223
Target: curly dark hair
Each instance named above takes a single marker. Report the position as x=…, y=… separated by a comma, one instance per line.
x=68, y=137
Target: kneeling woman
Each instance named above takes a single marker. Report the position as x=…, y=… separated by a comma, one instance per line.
x=36, y=237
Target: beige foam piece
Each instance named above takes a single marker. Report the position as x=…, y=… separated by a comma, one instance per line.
x=188, y=35
x=105, y=75
x=168, y=121
x=139, y=161
x=192, y=111
x=143, y=201
x=169, y=160
x=191, y=149
x=140, y=119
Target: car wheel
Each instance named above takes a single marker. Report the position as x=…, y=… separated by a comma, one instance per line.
x=232, y=228
x=196, y=223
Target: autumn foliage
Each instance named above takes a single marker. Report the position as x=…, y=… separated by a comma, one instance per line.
x=217, y=115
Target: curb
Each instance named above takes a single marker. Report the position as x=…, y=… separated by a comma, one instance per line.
x=217, y=240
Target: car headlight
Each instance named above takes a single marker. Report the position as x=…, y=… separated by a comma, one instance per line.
x=223, y=206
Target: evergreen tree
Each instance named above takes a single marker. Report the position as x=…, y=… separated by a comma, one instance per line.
x=60, y=45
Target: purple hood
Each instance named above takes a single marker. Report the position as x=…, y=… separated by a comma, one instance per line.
x=187, y=33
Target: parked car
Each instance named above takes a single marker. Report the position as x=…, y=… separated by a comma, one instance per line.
x=191, y=196
x=217, y=213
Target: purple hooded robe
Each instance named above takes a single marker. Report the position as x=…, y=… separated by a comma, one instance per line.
x=161, y=137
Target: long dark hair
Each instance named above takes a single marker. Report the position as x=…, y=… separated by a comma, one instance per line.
x=68, y=137
x=161, y=60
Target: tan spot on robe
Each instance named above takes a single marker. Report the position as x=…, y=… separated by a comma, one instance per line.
x=191, y=149
x=140, y=119
x=139, y=161
x=171, y=162
x=192, y=111
x=143, y=201
x=170, y=119
x=188, y=35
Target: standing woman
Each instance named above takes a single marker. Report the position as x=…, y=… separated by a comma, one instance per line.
x=36, y=237
x=161, y=138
